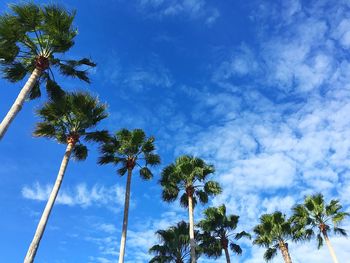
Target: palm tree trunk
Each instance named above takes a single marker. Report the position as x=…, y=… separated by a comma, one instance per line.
x=330, y=247
x=285, y=252
x=125, y=220
x=192, y=240
x=228, y=260
x=17, y=105
x=45, y=216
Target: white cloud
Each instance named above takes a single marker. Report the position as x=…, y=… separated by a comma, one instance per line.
x=342, y=33
x=80, y=195
x=193, y=9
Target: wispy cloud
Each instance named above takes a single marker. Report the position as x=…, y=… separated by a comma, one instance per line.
x=80, y=195
x=193, y=9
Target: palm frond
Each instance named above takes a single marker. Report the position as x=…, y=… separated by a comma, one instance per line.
x=146, y=173
x=236, y=248
x=80, y=152
x=270, y=253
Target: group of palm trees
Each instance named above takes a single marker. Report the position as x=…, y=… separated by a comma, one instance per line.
x=215, y=234
x=33, y=39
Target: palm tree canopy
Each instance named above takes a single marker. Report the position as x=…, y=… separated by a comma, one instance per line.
x=72, y=118
x=190, y=174
x=316, y=215
x=34, y=36
x=174, y=244
x=218, y=228
x=273, y=228
x=129, y=148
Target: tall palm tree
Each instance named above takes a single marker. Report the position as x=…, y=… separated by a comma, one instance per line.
x=128, y=149
x=217, y=230
x=33, y=39
x=189, y=175
x=317, y=216
x=175, y=245
x=68, y=121
x=273, y=232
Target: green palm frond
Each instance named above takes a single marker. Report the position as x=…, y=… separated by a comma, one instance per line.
x=14, y=72
x=242, y=234
x=54, y=91
x=270, y=253
x=122, y=171
x=97, y=136
x=212, y=188
x=170, y=193
x=80, y=152
x=202, y=196
x=146, y=173
x=236, y=248
x=35, y=91
x=152, y=159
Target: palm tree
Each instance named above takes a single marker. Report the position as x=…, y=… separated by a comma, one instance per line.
x=273, y=232
x=31, y=37
x=217, y=229
x=128, y=149
x=316, y=215
x=175, y=245
x=68, y=121
x=189, y=175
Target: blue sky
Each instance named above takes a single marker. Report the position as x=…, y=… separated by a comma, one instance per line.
x=260, y=89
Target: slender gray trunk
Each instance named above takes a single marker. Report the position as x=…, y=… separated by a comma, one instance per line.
x=285, y=252
x=228, y=260
x=126, y=215
x=191, y=221
x=45, y=216
x=17, y=105
x=330, y=247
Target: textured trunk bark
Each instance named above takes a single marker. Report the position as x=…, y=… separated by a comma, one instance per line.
x=228, y=260
x=192, y=240
x=330, y=247
x=285, y=252
x=17, y=105
x=125, y=220
x=45, y=216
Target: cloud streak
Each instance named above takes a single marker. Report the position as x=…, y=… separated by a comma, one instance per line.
x=80, y=195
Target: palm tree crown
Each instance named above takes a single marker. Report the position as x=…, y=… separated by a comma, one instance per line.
x=218, y=228
x=31, y=37
x=316, y=215
x=189, y=174
x=70, y=119
x=273, y=232
x=175, y=245
x=128, y=149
